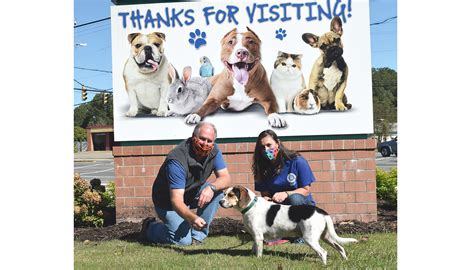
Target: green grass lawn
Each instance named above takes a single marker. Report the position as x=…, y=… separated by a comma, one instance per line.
x=234, y=252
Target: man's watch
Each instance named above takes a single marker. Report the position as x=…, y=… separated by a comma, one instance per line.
x=213, y=188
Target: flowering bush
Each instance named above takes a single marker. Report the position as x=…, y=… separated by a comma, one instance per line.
x=92, y=201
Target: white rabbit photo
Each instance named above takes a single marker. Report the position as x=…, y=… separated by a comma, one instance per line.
x=186, y=94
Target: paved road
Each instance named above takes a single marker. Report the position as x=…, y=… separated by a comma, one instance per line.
x=102, y=169
x=385, y=163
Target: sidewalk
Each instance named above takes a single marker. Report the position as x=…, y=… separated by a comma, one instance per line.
x=92, y=155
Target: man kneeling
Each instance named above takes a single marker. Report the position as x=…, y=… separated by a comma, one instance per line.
x=181, y=185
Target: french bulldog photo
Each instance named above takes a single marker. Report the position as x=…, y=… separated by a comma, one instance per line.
x=329, y=73
x=146, y=75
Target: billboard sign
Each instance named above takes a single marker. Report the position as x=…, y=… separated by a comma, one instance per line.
x=300, y=67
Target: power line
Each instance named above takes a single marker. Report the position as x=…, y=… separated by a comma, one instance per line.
x=91, y=69
x=384, y=21
x=83, y=103
x=84, y=24
x=89, y=88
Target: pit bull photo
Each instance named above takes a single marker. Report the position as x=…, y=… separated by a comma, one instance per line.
x=242, y=82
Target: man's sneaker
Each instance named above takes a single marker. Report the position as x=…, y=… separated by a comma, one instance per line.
x=146, y=222
x=196, y=242
x=275, y=242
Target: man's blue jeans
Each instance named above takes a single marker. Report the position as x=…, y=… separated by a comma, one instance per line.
x=176, y=230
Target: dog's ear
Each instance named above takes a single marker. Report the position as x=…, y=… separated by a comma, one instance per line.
x=251, y=31
x=244, y=198
x=336, y=25
x=132, y=36
x=160, y=35
x=236, y=191
x=230, y=32
x=311, y=39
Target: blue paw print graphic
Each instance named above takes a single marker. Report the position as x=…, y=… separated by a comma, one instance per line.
x=197, y=38
x=280, y=34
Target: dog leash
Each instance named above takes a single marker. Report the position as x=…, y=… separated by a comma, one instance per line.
x=250, y=206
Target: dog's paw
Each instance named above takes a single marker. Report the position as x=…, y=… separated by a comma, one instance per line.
x=132, y=112
x=340, y=106
x=197, y=38
x=192, y=119
x=276, y=121
x=160, y=113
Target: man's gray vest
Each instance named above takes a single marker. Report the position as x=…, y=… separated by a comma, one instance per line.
x=196, y=174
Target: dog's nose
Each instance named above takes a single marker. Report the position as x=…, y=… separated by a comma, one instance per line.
x=147, y=49
x=221, y=202
x=242, y=54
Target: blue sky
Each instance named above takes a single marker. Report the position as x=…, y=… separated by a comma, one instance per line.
x=97, y=55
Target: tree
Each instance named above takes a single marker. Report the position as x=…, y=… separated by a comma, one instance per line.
x=94, y=112
x=384, y=98
x=80, y=135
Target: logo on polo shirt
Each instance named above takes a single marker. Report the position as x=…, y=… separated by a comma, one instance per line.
x=291, y=178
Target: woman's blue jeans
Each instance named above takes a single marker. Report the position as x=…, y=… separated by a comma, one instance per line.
x=297, y=199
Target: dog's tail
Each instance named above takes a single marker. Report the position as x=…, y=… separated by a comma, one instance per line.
x=333, y=234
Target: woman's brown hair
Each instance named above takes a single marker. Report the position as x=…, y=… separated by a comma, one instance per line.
x=263, y=168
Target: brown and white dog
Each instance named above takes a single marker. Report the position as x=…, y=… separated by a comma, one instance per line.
x=329, y=73
x=268, y=220
x=146, y=74
x=242, y=82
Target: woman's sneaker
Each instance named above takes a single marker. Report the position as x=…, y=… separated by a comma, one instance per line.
x=275, y=242
x=298, y=240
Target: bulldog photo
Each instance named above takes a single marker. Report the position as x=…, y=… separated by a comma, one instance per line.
x=242, y=82
x=329, y=73
x=146, y=75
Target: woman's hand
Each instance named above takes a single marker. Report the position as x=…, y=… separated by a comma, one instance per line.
x=279, y=197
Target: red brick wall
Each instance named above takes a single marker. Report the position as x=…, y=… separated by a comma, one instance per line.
x=344, y=170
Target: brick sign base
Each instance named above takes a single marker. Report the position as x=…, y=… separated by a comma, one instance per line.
x=344, y=169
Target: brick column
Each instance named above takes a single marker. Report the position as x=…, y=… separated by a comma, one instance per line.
x=344, y=170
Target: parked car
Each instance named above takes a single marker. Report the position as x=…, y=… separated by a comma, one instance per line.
x=388, y=147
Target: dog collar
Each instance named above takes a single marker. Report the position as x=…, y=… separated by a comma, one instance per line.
x=250, y=206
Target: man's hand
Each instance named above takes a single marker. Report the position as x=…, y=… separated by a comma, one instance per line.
x=205, y=196
x=199, y=223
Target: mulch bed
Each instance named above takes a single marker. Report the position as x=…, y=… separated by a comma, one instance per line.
x=387, y=222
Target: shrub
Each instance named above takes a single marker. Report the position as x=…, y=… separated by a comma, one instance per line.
x=387, y=185
x=92, y=201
